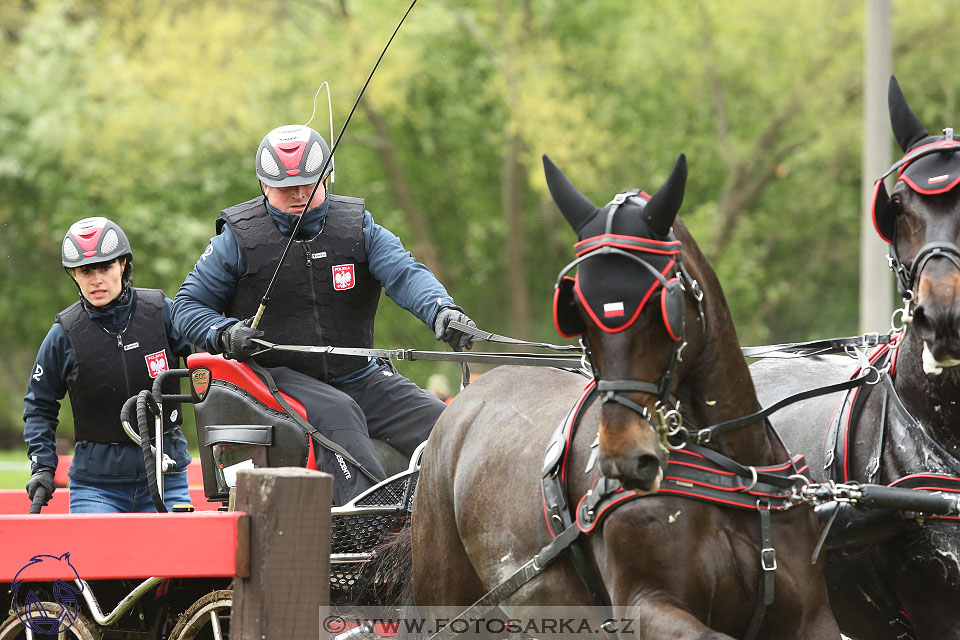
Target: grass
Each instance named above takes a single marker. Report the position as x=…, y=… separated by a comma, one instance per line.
x=17, y=478
x=14, y=479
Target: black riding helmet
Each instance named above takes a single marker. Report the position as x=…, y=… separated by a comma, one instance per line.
x=95, y=240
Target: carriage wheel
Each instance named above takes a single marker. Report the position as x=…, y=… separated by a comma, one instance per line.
x=81, y=628
x=207, y=619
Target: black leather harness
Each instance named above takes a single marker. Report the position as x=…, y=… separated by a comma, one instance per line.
x=838, y=467
x=692, y=472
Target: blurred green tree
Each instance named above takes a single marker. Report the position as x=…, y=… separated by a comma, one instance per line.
x=149, y=113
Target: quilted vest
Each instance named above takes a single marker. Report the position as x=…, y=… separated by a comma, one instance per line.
x=110, y=368
x=324, y=294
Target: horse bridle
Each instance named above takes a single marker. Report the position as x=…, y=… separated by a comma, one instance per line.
x=907, y=277
x=667, y=406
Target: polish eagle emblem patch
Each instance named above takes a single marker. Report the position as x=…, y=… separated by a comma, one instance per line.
x=156, y=363
x=343, y=277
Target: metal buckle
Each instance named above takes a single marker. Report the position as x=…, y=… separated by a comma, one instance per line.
x=609, y=628
x=697, y=291
x=871, y=339
x=620, y=198
x=703, y=436
x=768, y=559
x=866, y=372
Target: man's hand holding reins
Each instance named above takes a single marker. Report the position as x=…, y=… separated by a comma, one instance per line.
x=237, y=340
x=458, y=340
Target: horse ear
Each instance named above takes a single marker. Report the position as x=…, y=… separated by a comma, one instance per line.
x=907, y=128
x=663, y=207
x=574, y=206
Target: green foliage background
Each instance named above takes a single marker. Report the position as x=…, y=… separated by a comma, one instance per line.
x=150, y=113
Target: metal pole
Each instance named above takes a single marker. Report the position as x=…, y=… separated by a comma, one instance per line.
x=876, y=286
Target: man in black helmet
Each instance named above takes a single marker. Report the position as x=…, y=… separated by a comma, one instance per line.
x=326, y=294
x=103, y=349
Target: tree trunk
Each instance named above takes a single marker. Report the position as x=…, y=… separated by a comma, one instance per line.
x=514, y=191
x=422, y=246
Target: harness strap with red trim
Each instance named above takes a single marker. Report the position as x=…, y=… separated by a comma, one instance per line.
x=692, y=472
x=838, y=467
x=702, y=474
x=838, y=464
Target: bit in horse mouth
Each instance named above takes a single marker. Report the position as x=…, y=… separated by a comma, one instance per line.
x=934, y=367
x=653, y=488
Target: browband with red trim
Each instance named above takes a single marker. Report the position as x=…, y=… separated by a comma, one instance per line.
x=921, y=151
x=630, y=243
x=883, y=214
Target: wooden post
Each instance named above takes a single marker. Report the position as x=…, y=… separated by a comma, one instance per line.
x=289, y=580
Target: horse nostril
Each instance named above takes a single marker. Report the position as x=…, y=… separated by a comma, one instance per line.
x=648, y=467
x=921, y=323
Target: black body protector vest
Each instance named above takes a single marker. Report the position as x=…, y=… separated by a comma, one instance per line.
x=324, y=294
x=110, y=368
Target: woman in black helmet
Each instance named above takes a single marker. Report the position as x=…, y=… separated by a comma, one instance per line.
x=103, y=349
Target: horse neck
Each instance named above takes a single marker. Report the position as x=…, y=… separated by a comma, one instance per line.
x=718, y=385
x=933, y=400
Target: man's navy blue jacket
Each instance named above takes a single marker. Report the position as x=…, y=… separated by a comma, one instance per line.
x=208, y=289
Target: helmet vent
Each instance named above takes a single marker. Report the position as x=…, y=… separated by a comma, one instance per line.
x=110, y=242
x=69, y=250
x=314, y=158
x=268, y=164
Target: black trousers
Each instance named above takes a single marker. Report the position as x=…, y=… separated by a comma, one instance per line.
x=384, y=405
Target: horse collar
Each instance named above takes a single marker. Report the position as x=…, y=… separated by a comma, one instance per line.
x=694, y=472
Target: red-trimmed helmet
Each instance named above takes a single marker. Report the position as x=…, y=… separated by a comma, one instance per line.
x=93, y=240
x=292, y=155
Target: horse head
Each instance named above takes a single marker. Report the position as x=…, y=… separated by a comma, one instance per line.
x=629, y=300
x=921, y=222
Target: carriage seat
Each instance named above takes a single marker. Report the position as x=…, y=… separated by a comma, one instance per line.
x=241, y=425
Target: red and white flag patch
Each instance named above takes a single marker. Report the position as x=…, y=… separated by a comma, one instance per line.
x=156, y=363
x=343, y=277
x=612, y=309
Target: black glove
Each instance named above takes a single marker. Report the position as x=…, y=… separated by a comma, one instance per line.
x=237, y=340
x=42, y=477
x=458, y=340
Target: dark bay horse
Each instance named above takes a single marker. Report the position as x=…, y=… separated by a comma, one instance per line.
x=677, y=567
x=905, y=431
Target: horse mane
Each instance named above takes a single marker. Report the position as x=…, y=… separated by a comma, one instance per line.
x=731, y=391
